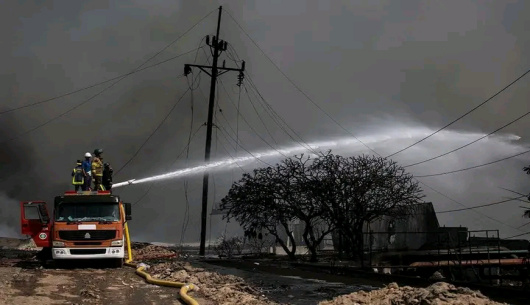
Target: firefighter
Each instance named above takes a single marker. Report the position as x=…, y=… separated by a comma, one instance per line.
x=97, y=169
x=87, y=171
x=78, y=177
x=107, y=176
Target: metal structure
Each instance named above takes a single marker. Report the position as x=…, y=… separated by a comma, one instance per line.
x=217, y=46
x=462, y=256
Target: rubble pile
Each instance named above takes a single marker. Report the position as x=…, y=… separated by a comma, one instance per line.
x=437, y=294
x=222, y=289
x=146, y=251
x=27, y=244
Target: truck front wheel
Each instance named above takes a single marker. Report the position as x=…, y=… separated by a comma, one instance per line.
x=118, y=263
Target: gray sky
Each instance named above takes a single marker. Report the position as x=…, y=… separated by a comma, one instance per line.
x=375, y=66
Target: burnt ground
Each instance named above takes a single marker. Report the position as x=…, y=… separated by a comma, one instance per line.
x=23, y=280
x=31, y=285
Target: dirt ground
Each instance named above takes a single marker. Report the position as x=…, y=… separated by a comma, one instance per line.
x=24, y=281
x=437, y=294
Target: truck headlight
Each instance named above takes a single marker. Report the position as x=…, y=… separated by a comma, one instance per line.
x=117, y=243
x=58, y=243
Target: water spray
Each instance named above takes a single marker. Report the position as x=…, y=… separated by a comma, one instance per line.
x=396, y=134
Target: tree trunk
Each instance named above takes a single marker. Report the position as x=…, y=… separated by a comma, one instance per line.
x=310, y=242
x=357, y=243
x=292, y=252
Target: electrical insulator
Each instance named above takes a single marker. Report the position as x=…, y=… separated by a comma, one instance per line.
x=208, y=39
x=243, y=66
x=187, y=69
x=225, y=46
x=240, y=79
x=220, y=45
x=224, y=63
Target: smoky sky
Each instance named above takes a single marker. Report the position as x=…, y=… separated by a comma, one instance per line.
x=374, y=66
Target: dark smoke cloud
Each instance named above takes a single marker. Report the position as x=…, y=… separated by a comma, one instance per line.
x=370, y=64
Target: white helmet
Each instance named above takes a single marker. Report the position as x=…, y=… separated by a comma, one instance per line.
x=88, y=155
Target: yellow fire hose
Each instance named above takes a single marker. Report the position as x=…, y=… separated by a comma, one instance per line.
x=184, y=288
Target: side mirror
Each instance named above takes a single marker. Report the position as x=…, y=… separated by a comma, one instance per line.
x=45, y=218
x=128, y=211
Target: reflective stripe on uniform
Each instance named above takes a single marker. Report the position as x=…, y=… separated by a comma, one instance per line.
x=78, y=178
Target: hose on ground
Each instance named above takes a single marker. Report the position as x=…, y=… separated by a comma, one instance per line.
x=184, y=288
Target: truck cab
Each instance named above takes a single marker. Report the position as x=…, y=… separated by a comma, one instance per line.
x=84, y=225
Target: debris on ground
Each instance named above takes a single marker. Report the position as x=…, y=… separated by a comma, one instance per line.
x=142, y=251
x=440, y=293
x=27, y=244
x=222, y=289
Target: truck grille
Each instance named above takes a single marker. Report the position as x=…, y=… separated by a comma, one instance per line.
x=87, y=235
x=89, y=243
x=87, y=251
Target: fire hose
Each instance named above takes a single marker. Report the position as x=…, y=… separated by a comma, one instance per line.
x=140, y=267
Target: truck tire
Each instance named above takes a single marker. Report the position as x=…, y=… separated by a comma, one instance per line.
x=118, y=263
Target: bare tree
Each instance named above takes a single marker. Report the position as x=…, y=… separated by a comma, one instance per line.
x=357, y=190
x=294, y=188
x=284, y=191
x=252, y=202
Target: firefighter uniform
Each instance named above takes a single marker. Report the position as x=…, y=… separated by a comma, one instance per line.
x=78, y=178
x=97, y=170
x=107, y=176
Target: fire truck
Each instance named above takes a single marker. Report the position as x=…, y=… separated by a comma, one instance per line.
x=84, y=225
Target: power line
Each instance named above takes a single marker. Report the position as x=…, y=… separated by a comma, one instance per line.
x=100, y=83
x=125, y=75
x=189, y=138
x=231, y=157
x=239, y=115
x=62, y=114
x=465, y=114
x=268, y=108
x=473, y=167
x=503, y=89
x=143, y=195
x=252, y=128
x=297, y=87
x=445, y=154
x=459, y=203
x=248, y=124
x=175, y=161
x=481, y=206
x=338, y=124
x=257, y=113
x=224, y=133
x=518, y=235
x=153, y=132
x=523, y=225
x=116, y=82
x=186, y=148
x=187, y=211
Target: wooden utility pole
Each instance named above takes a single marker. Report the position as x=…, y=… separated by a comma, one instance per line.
x=217, y=46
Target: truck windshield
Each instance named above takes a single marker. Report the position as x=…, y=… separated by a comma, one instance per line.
x=92, y=211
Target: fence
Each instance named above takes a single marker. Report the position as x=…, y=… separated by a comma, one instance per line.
x=467, y=255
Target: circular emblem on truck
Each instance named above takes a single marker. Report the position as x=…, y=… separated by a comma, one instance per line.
x=43, y=235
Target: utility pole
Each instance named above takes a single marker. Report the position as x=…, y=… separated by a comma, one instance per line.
x=217, y=46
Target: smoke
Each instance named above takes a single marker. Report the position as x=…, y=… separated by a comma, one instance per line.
x=357, y=60
x=16, y=176
x=9, y=217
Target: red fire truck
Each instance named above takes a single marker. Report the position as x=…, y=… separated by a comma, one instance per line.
x=84, y=225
